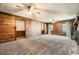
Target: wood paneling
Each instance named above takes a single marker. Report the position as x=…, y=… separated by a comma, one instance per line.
x=20, y=33
x=57, y=28
x=72, y=26
x=7, y=27
x=46, y=28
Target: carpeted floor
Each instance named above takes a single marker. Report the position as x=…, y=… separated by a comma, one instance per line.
x=40, y=45
x=78, y=50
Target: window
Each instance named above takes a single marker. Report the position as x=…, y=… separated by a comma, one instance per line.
x=20, y=25
x=64, y=27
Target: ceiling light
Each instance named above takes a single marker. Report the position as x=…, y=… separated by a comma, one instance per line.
x=29, y=12
x=53, y=21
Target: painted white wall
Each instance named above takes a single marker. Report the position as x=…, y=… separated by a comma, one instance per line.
x=50, y=28
x=78, y=27
x=68, y=34
x=20, y=25
x=36, y=28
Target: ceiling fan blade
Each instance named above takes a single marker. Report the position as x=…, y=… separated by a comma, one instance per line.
x=28, y=7
x=35, y=14
x=21, y=6
x=49, y=11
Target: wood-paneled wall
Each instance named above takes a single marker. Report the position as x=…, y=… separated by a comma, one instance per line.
x=57, y=28
x=46, y=28
x=20, y=34
x=7, y=27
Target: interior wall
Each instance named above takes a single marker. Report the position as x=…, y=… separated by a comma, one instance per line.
x=50, y=28
x=63, y=28
x=59, y=28
x=7, y=27
x=33, y=28
x=68, y=32
x=36, y=28
x=28, y=27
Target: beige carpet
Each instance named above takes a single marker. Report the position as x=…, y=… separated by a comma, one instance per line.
x=40, y=45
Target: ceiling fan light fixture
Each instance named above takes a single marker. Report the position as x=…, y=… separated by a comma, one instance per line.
x=53, y=21
x=29, y=7
x=29, y=12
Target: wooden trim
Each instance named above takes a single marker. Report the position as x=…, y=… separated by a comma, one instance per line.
x=20, y=33
x=25, y=28
x=15, y=28
x=6, y=13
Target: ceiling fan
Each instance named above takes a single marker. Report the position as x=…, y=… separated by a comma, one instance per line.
x=28, y=7
x=36, y=10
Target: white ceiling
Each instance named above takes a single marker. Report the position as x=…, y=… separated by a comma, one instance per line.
x=45, y=12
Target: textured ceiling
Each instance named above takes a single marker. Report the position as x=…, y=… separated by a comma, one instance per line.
x=45, y=12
